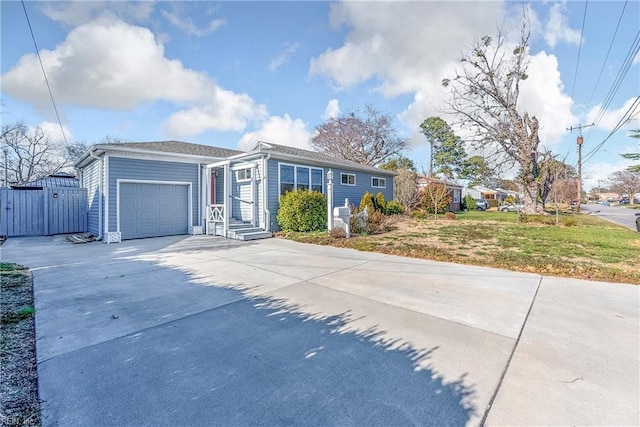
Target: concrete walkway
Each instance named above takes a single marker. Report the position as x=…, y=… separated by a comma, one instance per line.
x=206, y=331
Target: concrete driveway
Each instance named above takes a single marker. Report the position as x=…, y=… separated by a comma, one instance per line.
x=206, y=331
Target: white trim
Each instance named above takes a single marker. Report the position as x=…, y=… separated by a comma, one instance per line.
x=295, y=176
x=106, y=194
x=379, y=178
x=348, y=173
x=142, y=181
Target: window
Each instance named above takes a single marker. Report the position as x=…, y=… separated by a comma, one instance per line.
x=243, y=174
x=378, y=182
x=287, y=181
x=316, y=180
x=302, y=178
x=348, y=179
x=294, y=177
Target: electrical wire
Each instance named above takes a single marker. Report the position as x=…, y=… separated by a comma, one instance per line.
x=622, y=73
x=604, y=63
x=64, y=136
x=628, y=115
x=575, y=74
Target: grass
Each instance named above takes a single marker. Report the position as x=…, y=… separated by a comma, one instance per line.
x=580, y=246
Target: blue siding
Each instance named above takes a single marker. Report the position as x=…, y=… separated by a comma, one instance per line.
x=91, y=181
x=340, y=192
x=150, y=170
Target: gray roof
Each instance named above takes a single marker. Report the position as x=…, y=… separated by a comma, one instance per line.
x=57, y=180
x=177, y=147
x=315, y=155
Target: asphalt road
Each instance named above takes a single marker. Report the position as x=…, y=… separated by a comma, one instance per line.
x=620, y=215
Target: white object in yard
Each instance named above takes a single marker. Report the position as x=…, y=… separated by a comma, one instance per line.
x=113, y=237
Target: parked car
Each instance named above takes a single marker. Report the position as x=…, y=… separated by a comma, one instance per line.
x=511, y=208
x=482, y=204
x=638, y=222
x=624, y=201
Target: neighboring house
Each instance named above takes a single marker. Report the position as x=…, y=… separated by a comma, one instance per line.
x=56, y=180
x=455, y=190
x=150, y=189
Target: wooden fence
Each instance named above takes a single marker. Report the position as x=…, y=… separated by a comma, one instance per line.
x=42, y=212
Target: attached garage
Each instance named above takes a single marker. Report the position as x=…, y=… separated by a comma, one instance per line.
x=151, y=209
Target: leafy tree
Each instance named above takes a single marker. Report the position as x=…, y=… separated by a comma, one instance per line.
x=399, y=162
x=633, y=156
x=447, y=150
x=484, y=97
x=477, y=171
x=507, y=184
x=368, y=139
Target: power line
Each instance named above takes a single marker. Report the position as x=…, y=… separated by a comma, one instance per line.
x=604, y=63
x=44, y=73
x=622, y=73
x=623, y=120
x=575, y=74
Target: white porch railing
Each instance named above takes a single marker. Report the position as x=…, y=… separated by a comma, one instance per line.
x=215, y=216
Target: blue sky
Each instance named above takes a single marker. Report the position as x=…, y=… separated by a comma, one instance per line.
x=233, y=73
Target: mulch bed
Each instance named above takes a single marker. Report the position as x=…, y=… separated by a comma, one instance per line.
x=19, y=405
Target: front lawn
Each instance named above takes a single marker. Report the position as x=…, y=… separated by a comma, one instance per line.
x=582, y=246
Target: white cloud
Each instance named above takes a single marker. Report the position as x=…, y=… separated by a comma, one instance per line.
x=279, y=130
x=542, y=95
x=53, y=131
x=557, y=29
x=110, y=64
x=284, y=56
x=72, y=14
x=610, y=119
x=224, y=111
x=184, y=23
x=332, y=110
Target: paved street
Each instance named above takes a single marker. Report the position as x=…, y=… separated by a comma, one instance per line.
x=207, y=331
x=620, y=215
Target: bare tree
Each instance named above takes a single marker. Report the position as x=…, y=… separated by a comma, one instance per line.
x=484, y=98
x=405, y=188
x=370, y=139
x=625, y=183
x=31, y=154
x=435, y=198
x=552, y=172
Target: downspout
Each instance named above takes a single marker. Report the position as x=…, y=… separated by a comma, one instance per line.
x=101, y=195
x=265, y=193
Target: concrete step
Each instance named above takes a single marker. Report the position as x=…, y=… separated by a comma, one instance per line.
x=254, y=235
x=248, y=233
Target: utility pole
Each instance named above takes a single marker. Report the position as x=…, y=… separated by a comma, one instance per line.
x=580, y=141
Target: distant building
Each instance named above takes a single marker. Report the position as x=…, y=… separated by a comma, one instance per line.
x=56, y=180
x=455, y=190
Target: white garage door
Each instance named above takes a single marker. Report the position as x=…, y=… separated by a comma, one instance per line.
x=153, y=210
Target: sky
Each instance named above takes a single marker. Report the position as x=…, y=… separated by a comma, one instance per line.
x=230, y=74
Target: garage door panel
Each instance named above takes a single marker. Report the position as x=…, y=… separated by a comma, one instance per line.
x=153, y=210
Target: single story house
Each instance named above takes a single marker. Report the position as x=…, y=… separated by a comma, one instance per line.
x=455, y=190
x=152, y=189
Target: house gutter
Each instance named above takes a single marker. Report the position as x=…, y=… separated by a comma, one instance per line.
x=265, y=193
x=100, y=170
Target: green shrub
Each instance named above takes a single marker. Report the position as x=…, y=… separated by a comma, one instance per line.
x=380, y=203
x=367, y=201
x=469, y=203
x=302, y=210
x=394, y=208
